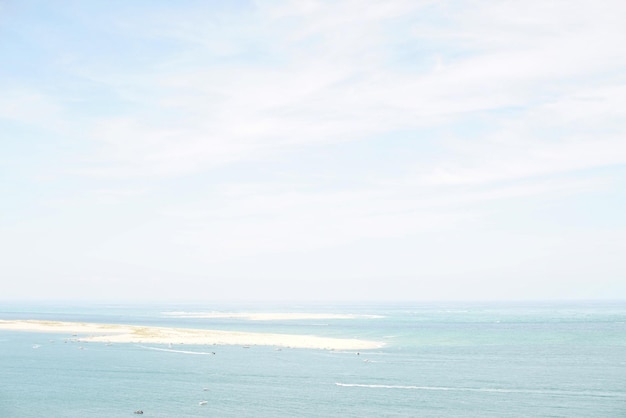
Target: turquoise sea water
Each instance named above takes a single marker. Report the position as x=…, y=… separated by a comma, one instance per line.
x=440, y=360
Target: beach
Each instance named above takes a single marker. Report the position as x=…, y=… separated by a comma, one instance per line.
x=117, y=333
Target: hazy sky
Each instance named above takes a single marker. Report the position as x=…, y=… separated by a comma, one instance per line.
x=312, y=150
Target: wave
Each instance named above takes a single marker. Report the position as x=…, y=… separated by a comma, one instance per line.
x=366, y=353
x=169, y=350
x=266, y=316
x=494, y=390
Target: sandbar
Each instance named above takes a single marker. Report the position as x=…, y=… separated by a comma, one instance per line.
x=118, y=333
x=266, y=316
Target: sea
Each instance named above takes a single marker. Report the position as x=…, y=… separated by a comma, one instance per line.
x=456, y=359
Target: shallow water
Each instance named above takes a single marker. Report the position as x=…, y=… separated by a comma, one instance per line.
x=440, y=360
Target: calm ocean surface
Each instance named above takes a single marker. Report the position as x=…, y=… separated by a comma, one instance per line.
x=440, y=360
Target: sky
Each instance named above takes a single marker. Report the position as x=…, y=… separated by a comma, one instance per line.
x=312, y=150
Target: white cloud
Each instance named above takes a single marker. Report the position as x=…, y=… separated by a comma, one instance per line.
x=28, y=105
x=341, y=87
x=498, y=104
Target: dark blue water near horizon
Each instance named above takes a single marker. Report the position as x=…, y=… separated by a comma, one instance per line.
x=547, y=359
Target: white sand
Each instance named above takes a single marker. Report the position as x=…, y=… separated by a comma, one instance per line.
x=159, y=335
x=266, y=316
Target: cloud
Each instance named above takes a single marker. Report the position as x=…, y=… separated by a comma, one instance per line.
x=329, y=77
x=580, y=131
x=26, y=105
x=195, y=137
x=288, y=75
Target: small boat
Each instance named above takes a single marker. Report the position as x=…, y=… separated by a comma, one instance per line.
x=138, y=412
x=203, y=402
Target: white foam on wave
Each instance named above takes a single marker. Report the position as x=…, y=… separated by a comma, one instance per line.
x=360, y=385
x=169, y=350
x=494, y=390
x=267, y=316
x=353, y=352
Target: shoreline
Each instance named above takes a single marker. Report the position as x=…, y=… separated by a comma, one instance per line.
x=118, y=333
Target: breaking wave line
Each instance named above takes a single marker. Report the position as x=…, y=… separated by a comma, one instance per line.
x=493, y=390
x=169, y=350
